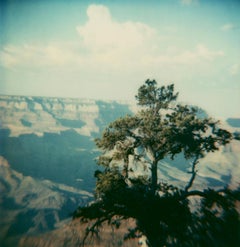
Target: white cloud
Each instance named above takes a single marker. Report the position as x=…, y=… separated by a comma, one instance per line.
x=32, y=55
x=229, y=26
x=102, y=33
x=234, y=69
x=103, y=42
x=8, y=57
x=188, y=2
x=204, y=52
x=201, y=54
x=107, y=44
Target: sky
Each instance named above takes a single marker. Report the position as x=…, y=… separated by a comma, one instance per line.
x=107, y=49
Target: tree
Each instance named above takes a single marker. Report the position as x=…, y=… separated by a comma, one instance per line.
x=128, y=186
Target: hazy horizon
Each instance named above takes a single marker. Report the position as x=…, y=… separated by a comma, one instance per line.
x=105, y=50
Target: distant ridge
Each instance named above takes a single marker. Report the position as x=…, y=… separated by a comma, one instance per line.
x=234, y=122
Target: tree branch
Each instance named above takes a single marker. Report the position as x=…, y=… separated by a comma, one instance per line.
x=93, y=230
x=193, y=172
x=195, y=193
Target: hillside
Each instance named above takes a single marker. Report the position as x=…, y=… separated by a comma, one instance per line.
x=70, y=235
x=47, y=160
x=32, y=206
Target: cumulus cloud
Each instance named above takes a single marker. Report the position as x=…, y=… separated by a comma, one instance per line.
x=102, y=33
x=103, y=40
x=107, y=44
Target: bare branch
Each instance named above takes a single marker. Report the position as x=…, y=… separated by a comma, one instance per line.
x=193, y=172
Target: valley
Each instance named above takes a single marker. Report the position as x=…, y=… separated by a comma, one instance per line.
x=47, y=162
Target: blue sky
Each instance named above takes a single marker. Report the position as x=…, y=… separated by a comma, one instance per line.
x=107, y=49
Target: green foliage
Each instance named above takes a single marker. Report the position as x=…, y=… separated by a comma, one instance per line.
x=151, y=96
x=109, y=182
x=166, y=218
x=162, y=128
x=140, y=142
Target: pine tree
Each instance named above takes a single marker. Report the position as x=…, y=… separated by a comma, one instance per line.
x=128, y=186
